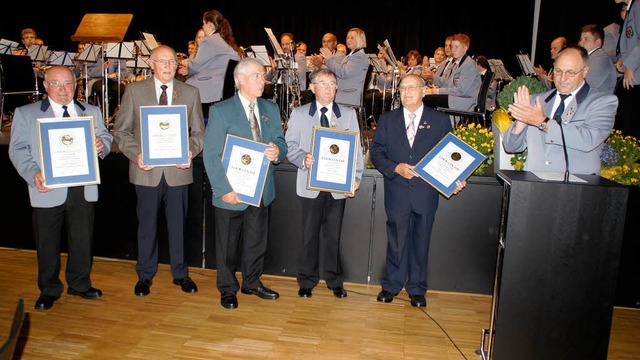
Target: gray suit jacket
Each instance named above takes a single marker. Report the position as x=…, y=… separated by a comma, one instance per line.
x=587, y=122
x=24, y=149
x=351, y=71
x=127, y=130
x=299, y=135
x=630, y=41
x=602, y=72
x=208, y=68
x=462, y=86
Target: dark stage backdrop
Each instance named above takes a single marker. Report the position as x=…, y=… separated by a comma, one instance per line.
x=498, y=29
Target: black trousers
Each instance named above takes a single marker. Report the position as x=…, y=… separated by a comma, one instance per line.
x=322, y=213
x=150, y=201
x=78, y=216
x=240, y=233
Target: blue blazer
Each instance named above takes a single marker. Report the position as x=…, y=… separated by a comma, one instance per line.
x=229, y=117
x=24, y=149
x=390, y=147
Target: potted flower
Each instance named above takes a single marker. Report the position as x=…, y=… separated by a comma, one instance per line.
x=481, y=139
x=501, y=120
x=619, y=159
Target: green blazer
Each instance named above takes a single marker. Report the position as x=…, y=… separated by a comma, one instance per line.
x=229, y=117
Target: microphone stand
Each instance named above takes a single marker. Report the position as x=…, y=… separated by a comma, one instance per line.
x=566, y=155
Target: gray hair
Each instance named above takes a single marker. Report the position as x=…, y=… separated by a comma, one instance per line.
x=244, y=67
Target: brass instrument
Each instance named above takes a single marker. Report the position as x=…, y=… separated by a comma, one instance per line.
x=80, y=91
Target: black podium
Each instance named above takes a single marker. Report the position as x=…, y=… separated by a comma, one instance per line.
x=556, y=269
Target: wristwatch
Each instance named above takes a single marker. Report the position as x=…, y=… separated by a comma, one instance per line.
x=543, y=124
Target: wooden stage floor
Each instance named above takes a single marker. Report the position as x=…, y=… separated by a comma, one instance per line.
x=170, y=324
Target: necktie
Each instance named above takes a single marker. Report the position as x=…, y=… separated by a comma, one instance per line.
x=65, y=113
x=255, y=128
x=323, y=118
x=451, y=69
x=444, y=68
x=557, y=116
x=411, y=129
x=163, y=96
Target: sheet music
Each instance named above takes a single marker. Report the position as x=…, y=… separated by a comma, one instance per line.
x=150, y=41
x=7, y=46
x=501, y=73
x=37, y=52
x=392, y=59
x=91, y=53
x=144, y=50
x=525, y=64
x=274, y=42
x=260, y=53
x=141, y=62
x=121, y=50
x=61, y=58
x=379, y=66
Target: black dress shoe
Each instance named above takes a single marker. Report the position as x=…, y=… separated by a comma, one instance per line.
x=186, y=284
x=386, y=296
x=91, y=293
x=338, y=291
x=142, y=287
x=418, y=300
x=228, y=300
x=262, y=292
x=304, y=292
x=45, y=302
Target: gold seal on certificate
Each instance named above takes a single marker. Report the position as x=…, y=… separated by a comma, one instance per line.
x=67, y=152
x=164, y=135
x=335, y=152
x=246, y=167
x=449, y=161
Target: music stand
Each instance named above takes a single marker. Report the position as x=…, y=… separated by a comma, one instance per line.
x=91, y=53
x=500, y=72
x=121, y=50
x=61, y=58
x=150, y=42
x=144, y=50
x=260, y=53
x=525, y=64
x=276, y=45
x=103, y=28
x=37, y=52
x=7, y=46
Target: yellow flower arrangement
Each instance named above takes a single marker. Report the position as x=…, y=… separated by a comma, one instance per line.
x=619, y=159
x=481, y=139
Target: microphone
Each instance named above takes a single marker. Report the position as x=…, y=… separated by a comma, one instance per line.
x=566, y=156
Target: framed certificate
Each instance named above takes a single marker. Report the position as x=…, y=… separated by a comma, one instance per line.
x=67, y=155
x=450, y=160
x=335, y=152
x=164, y=135
x=246, y=168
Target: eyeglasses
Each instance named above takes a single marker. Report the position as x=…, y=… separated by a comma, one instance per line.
x=164, y=62
x=331, y=84
x=258, y=76
x=409, y=88
x=66, y=84
x=569, y=74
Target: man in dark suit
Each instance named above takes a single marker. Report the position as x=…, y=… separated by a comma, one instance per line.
x=403, y=137
x=157, y=184
x=232, y=218
x=54, y=208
